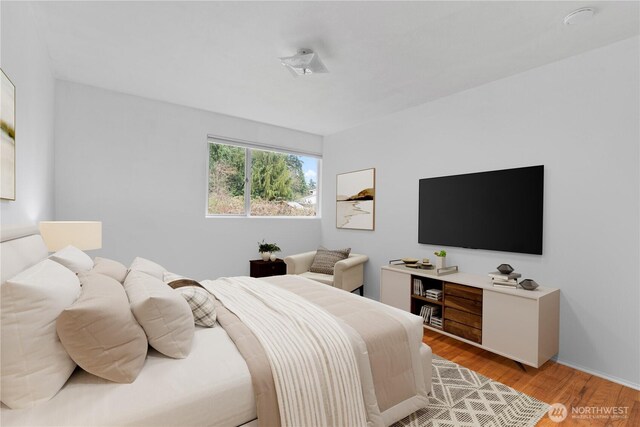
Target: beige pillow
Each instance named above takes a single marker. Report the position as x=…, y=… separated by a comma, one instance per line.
x=110, y=268
x=163, y=314
x=73, y=258
x=33, y=363
x=100, y=333
x=325, y=260
x=149, y=267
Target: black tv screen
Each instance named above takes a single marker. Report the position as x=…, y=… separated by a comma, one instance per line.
x=498, y=210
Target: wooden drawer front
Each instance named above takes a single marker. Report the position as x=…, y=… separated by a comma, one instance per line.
x=463, y=317
x=464, y=331
x=467, y=305
x=466, y=292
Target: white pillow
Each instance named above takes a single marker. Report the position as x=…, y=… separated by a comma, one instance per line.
x=164, y=315
x=110, y=268
x=33, y=362
x=149, y=267
x=73, y=258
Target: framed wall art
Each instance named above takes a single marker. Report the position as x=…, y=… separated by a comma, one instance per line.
x=8, y=138
x=355, y=200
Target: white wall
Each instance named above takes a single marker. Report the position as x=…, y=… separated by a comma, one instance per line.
x=140, y=166
x=580, y=118
x=25, y=60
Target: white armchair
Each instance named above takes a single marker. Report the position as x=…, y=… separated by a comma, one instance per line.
x=348, y=274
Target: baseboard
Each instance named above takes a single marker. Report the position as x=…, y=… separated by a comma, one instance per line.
x=611, y=378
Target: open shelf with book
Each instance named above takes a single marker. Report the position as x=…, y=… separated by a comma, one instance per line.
x=426, y=300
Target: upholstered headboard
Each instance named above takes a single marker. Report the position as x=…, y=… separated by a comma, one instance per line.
x=20, y=248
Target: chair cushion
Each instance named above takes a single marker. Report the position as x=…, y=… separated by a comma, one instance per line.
x=325, y=259
x=319, y=277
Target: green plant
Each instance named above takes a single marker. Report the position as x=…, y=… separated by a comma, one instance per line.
x=441, y=253
x=268, y=247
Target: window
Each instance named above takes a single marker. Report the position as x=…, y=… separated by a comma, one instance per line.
x=249, y=180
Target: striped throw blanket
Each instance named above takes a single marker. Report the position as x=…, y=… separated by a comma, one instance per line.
x=312, y=361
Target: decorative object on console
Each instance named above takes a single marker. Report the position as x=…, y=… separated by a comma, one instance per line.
x=84, y=235
x=441, y=259
x=267, y=250
x=8, y=135
x=505, y=277
x=505, y=269
x=529, y=284
x=355, y=200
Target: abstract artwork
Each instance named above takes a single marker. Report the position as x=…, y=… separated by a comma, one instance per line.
x=8, y=132
x=355, y=200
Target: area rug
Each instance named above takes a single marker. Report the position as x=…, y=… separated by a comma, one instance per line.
x=464, y=398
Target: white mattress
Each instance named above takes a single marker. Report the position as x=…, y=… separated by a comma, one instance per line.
x=211, y=387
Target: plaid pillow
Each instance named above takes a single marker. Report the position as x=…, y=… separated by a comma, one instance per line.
x=325, y=259
x=201, y=303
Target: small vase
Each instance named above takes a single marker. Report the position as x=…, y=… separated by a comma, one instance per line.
x=441, y=262
x=273, y=257
x=265, y=255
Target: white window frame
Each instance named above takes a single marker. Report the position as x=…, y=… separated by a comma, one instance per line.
x=249, y=146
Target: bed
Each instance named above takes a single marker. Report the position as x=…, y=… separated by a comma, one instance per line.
x=212, y=386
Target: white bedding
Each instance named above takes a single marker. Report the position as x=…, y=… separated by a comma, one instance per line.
x=211, y=387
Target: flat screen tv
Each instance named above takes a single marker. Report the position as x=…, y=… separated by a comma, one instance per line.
x=498, y=210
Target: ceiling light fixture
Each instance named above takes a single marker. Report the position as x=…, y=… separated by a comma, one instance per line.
x=579, y=16
x=304, y=62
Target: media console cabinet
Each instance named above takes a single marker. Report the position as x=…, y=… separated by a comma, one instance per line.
x=519, y=324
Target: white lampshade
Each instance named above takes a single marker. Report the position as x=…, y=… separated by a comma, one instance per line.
x=85, y=235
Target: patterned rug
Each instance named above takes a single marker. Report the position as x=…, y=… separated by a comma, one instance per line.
x=464, y=398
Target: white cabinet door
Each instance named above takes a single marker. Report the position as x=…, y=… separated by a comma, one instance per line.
x=510, y=326
x=395, y=289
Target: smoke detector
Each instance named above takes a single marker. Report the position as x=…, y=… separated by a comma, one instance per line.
x=304, y=62
x=579, y=16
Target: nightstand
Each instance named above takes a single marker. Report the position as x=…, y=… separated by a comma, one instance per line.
x=260, y=268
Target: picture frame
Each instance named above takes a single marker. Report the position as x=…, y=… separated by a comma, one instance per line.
x=7, y=138
x=355, y=200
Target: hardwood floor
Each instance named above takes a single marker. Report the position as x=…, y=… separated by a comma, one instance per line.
x=550, y=383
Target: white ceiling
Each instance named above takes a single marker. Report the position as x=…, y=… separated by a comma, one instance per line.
x=382, y=56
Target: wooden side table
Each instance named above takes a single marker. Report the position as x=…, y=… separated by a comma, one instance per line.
x=260, y=268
